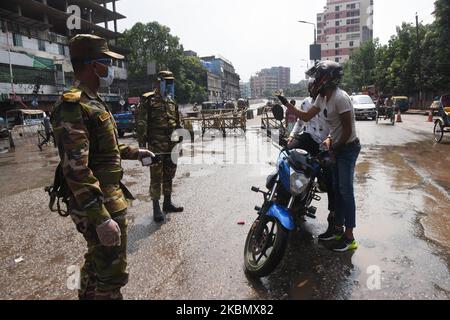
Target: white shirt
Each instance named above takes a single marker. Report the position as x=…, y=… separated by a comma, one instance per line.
x=317, y=127
x=338, y=104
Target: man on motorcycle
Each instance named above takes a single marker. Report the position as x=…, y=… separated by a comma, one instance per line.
x=309, y=137
x=343, y=142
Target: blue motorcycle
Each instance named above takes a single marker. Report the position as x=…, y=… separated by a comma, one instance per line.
x=293, y=186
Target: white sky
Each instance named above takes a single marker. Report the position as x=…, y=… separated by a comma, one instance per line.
x=256, y=34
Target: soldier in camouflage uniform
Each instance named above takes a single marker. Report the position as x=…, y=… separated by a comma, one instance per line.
x=86, y=136
x=157, y=119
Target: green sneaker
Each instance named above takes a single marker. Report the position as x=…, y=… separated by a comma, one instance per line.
x=344, y=245
x=339, y=236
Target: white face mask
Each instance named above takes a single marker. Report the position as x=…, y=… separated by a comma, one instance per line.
x=107, y=81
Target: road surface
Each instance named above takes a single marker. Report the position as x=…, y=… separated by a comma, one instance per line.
x=403, y=215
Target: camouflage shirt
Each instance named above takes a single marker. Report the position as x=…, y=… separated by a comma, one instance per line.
x=155, y=116
x=86, y=136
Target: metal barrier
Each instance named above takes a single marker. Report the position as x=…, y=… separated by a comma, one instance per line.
x=226, y=121
x=269, y=123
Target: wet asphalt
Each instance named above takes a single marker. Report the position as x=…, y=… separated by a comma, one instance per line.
x=402, y=188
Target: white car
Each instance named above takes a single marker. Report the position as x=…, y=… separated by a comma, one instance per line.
x=364, y=107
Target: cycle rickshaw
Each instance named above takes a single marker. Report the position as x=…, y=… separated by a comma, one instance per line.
x=442, y=123
x=385, y=112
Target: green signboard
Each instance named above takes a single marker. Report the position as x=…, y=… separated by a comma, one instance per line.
x=42, y=63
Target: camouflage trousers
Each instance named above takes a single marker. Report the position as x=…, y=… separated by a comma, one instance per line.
x=162, y=174
x=104, y=271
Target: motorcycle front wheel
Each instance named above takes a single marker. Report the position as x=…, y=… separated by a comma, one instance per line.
x=264, y=251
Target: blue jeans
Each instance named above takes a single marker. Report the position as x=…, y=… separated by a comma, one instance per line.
x=343, y=175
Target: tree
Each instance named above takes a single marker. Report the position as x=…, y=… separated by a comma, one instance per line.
x=191, y=81
x=442, y=45
x=359, y=71
x=393, y=68
x=153, y=43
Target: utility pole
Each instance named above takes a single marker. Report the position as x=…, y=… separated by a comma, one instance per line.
x=419, y=61
x=9, y=58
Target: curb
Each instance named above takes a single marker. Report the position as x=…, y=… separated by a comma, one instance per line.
x=418, y=112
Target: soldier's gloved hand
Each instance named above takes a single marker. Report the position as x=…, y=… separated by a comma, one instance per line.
x=144, y=153
x=146, y=157
x=109, y=233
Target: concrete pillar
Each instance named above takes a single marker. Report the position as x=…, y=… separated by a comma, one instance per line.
x=106, y=17
x=45, y=15
x=115, y=20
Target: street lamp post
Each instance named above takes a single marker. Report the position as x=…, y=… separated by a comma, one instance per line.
x=315, y=31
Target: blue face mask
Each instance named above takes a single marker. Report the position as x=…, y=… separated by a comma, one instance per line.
x=167, y=88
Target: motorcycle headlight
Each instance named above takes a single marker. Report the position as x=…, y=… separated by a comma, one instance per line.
x=299, y=182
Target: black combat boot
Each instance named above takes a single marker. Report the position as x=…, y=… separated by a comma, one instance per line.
x=114, y=294
x=168, y=206
x=158, y=216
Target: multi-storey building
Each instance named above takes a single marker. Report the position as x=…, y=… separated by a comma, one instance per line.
x=283, y=76
x=35, y=65
x=262, y=85
x=246, y=91
x=266, y=81
x=343, y=26
x=229, y=79
x=214, y=87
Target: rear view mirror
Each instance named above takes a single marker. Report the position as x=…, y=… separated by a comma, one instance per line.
x=278, y=112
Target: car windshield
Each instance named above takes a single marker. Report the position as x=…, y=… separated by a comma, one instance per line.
x=401, y=102
x=362, y=100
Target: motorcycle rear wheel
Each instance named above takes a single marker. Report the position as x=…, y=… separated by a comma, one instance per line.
x=262, y=256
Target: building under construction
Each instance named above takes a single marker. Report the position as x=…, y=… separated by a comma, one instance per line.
x=35, y=65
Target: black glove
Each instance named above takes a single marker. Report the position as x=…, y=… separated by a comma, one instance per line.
x=283, y=100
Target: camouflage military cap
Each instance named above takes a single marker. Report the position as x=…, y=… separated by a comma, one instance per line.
x=88, y=47
x=166, y=75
